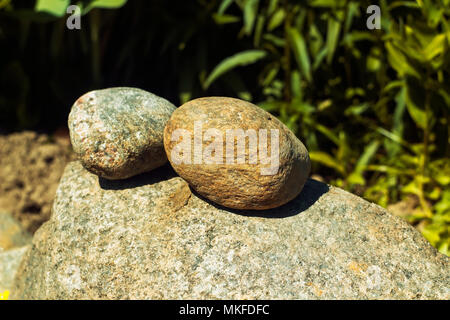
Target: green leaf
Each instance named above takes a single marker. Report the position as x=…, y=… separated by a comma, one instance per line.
x=225, y=18
x=327, y=3
x=105, y=4
x=407, y=4
x=367, y=155
x=443, y=206
x=393, y=85
x=239, y=59
x=440, y=171
x=296, y=85
x=327, y=132
x=357, y=109
x=277, y=19
x=273, y=4
x=300, y=51
x=373, y=63
x=334, y=28
x=258, y=30
x=315, y=40
x=280, y=42
x=419, y=116
x=399, y=62
x=390, y=170
x=356, y=176
x=435, y=47
x=224, y=6
x=395, y=138
x=250, y=12
x=53, y=7
x=327, y=160
x=349, y=39
x=272, y=71
x=431, y=233
x=352, y=92
x=398, y=124
x=319, y=58
x=351, y=12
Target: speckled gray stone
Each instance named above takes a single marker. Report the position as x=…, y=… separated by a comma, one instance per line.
x=118, y=132
x=150, y=238
x=12, y=234
x=9, y=263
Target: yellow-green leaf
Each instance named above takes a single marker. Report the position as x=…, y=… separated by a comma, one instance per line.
x=239, y=59
x=399, y=62
x=327, y=160
x=435, y=47
x=301, y=53
x=277, y=19
x=53, y=7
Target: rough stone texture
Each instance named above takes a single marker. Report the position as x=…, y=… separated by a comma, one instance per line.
x=31, y=165
x=118, y=132
x=150, y=238
x=11, y=233
x=9, y=263
x=238, y=185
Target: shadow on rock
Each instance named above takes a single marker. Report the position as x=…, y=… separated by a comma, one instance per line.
x=311, y=192
x=148, y=178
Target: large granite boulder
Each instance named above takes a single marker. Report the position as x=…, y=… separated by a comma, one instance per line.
x=149, y=237
x=14, y=242
x=12, y=234
x=9, y=263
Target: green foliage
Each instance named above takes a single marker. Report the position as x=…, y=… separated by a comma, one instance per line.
x=372, y=106
x=58, y=8
x=239, y=59
x=54, y=7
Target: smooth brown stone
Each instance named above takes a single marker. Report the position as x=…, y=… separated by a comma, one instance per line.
x=238, y=185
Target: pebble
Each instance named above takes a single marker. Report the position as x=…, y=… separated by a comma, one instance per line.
x=118, y=132
x=265, y=167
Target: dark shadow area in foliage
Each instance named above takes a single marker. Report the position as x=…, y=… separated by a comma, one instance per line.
x=312, y=191
x=160, y=46
x=148, y=178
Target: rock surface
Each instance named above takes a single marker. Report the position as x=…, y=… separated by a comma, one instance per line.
x=14, y=242
x=250, y=184
x=9, y=263
x=149, y=238
x=11, y=233
x=118, y=132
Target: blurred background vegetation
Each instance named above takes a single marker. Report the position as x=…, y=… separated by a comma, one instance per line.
x=372, y=106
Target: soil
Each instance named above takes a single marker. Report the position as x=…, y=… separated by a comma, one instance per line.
x=31, y=165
